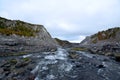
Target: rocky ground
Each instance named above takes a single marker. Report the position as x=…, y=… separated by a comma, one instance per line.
x=95, y=67
x=60, y=65
x=16, y=68
x=16, y=45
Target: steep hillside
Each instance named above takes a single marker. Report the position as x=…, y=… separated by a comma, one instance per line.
x=66, y=44
x=18, y=36
x=104, y=42
x=63, y=43
x=103, y=37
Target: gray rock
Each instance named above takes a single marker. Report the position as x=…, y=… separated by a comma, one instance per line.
x=14, y=43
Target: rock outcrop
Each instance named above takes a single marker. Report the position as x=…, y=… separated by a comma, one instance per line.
x=104, y=42
x=18, y=37
x=63, y=43
x=103, y=37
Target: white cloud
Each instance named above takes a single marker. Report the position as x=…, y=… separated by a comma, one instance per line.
x=79, y=39
x=4, y=14
x=65, y=17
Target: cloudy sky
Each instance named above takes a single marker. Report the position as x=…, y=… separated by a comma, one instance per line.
x=66, y=19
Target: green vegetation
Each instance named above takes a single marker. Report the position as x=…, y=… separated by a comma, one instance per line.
x=13, y=61
x=17, y=54
x=13, y=54
x=62, y=42
x=73, y=55
x=22, y=53
x=79, y=49
x=103, y=35
x=19, y=28
x=94, y=41
x=26, y=59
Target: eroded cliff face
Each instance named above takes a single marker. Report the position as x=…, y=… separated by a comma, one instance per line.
x=104, y=42
x=110, y=36
x=19, y=37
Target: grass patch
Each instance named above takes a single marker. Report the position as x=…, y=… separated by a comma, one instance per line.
x=26, y=59
x=79, y=49
x=19, y=28
x=22, y=31
x=13, y=61
x=13, y=54
x=20, y=53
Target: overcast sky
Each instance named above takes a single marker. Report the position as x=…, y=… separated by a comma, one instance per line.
x=66, y=19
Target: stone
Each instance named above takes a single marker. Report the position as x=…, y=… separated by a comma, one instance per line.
x=7, y=73
x=31, y=77
x=117, y=57
x=100, y=66
x=109, y=54
x=6, y=69
x=1, y=70
x=2, y=76
x=73, y=55
x=22, y=64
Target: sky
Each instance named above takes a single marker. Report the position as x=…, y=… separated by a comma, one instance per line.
x=70, y=20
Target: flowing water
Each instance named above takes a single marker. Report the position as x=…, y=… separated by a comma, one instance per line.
x=59, y=66
x=53, y=66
